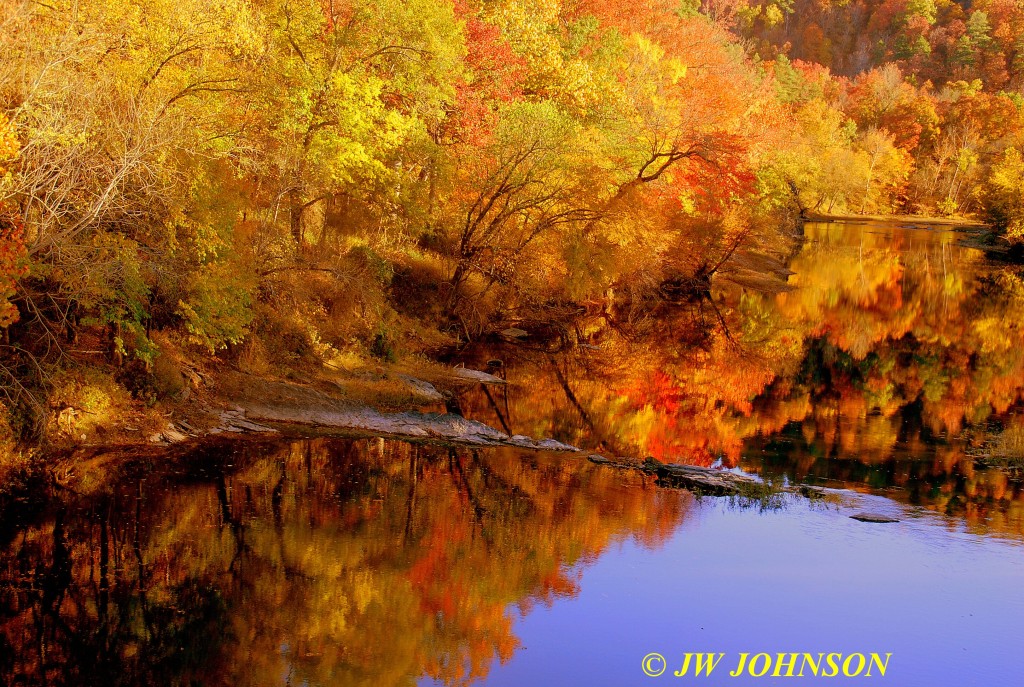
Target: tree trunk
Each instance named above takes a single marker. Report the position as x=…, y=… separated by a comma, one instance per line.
x=796, y=196
x=867, y=187
x=295, y=217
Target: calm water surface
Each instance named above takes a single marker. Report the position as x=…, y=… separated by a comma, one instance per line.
x=891, y=374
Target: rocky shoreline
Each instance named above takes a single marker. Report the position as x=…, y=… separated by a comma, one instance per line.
x=257, y=407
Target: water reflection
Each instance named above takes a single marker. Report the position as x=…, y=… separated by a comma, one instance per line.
x=894, y=357
x=945, y=603
x=317, y=562
x=380, y=563
x=893, y=366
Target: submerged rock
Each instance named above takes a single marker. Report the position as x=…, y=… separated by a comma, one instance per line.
x=874, y=517
x=812, y=492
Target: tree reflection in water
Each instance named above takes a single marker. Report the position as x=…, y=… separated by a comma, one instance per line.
x=893, y=357
x=317, y=562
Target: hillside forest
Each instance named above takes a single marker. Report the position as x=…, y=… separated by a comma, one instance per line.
x=280, y=185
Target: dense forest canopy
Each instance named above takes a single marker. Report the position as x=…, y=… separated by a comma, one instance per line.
x=288, y=182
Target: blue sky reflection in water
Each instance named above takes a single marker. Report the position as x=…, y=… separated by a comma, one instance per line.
x=946, y=603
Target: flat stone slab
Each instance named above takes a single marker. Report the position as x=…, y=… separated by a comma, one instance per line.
x=417, y=425
x=874, y=517
x=289, y=403
x=234, y=420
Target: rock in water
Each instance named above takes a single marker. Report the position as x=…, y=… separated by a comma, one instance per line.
x=699, y=480
x=707, y=481
x=873, y=517
x=553, y=445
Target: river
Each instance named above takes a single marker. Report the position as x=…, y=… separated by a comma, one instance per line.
x=887, y=368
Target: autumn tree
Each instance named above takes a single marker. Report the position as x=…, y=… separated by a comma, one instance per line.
x=117, y=109
x=12, y=247
x=1003, y=194
x=528, y=182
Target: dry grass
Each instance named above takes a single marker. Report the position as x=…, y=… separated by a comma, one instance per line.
x=88, y=407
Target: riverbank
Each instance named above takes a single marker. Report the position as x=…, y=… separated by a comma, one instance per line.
x=386, y=400
x=974, y=232
x=98, y=424
x=913, y=220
